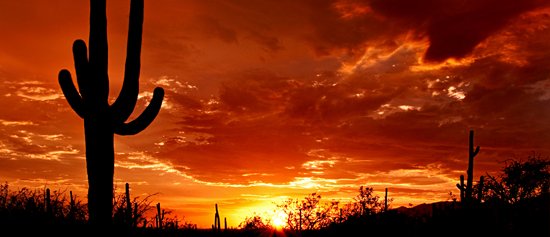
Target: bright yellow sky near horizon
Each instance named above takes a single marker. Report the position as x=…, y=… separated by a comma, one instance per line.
x=269, y=100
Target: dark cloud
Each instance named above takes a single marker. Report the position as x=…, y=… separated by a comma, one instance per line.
x=268, y=42
x=332, y=30
x=330, y=103
x=454, y=28
x=255, y=91
x=269, y=114
x=212, y=28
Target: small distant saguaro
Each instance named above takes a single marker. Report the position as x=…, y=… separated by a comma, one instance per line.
x=91, y=103
x=160, y=216
x=48, y=202
x=128, y=212
x=217, y=223
x=466, y=190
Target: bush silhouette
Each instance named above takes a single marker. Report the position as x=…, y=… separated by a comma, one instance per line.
x=519, y=181
x=39, y=207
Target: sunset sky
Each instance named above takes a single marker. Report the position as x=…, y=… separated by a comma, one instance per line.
x=276, y=99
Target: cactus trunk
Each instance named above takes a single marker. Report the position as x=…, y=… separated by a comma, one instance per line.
x=128, y=212
x=466, y=191
x=470, y=172
x=72, y=207
x=480, y=189
x=100, y=168
x=47, y=202
x=160, y=216
x=462, y=187
x=217, y=223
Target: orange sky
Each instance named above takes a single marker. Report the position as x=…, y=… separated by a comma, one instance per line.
x=267, y=100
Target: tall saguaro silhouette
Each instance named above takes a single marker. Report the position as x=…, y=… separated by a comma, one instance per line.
x=90, y=102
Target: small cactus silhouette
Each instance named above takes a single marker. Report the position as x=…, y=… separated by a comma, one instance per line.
x=129, y=217
x=466, y=191
x=90, y=102
x=160, y=216
x=48, y=202
x=480, y=188
x=217, y=223
x=72, y=206
x=470, y=172
x=462, y=188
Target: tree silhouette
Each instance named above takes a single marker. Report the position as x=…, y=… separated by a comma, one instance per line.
x=309, y=213
x=519, y=180
x=366, y=203
x=90, y=102
x=255, y=223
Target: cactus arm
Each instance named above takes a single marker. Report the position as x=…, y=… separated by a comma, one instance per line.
x=69, y=90
x=98, y=51
x=476, y=151
x=81, y=65
x=145, y=118
x=124, y=105
x=473, y=152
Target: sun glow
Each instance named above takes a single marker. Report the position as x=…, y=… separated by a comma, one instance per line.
x=278, y=220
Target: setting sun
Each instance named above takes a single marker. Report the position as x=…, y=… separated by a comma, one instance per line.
x=278, y=220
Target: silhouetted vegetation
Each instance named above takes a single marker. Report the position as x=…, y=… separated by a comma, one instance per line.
x=309, y=213
x=256, y=223
x=216, y=226
x=467, y=190
x=39, y=207
x=91, y=103
x=519, y=181
x=131, y=212
x=515, y=202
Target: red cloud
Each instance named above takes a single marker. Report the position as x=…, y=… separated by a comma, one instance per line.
x=453, y=27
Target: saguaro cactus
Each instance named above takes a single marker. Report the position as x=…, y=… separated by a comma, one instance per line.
x=217, y=224
x=71, y=201
x=72, y=207
x=480, y=189
x=160, y=216
x=47, y=202
x=90, y=102
x=128, y=212
x=470, y=172
x=462, y=188
x=466, y=191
